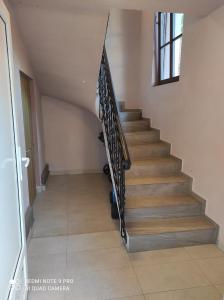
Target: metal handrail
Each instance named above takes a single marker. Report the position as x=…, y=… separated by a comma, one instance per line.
x=117, y=149
x=127, y=160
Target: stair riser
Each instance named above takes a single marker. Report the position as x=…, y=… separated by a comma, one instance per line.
x=149, y=151
x=149, y=137
x=135, y=127
x=162, y=189
x=130, y=116
x=171, y=240
x=164, y=212
x=155, y=169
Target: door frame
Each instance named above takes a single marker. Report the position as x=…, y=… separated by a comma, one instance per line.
x=33, y=126
x=22, y=260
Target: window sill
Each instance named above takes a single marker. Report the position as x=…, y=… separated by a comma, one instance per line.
x=170, y=80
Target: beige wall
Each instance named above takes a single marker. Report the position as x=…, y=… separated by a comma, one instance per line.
x=190, y=113
x=123, y=50
x=65, y=48
x=22, y=63
x=71, y=138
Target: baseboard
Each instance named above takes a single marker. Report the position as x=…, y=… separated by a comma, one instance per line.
x=41, y=188
x=76, y=172
x=44, y=175
x=29, y=237
x=29, y=220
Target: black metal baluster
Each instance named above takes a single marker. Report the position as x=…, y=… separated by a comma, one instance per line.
x=117, y=146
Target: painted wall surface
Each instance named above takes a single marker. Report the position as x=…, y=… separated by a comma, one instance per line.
x=123, y=49
x=71, y=138
x=65, y=39
x=190, y=113
x=65, y=49
x=22, y=63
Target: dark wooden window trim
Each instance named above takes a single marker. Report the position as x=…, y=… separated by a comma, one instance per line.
x=160, y=47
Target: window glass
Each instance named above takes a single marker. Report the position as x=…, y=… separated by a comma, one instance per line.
x=177, y=57
x=165, y=62
x=165, y=28
x=178, y=21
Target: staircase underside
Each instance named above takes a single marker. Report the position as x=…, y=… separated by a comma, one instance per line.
x=161, y=210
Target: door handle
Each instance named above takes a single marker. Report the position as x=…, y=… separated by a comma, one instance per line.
x=26, y=160
x=20, y=160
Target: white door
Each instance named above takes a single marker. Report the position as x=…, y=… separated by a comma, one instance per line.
x=12, y=242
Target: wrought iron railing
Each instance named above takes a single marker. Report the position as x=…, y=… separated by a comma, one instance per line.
x=117, y=150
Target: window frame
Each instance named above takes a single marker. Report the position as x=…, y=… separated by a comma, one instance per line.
x=170, y=43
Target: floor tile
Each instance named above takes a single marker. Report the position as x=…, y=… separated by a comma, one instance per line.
x=199, y=293
x=204, y=251
x=46, y=295
x=213, y=268
x=46, y=266
x=95, y=260
x=159, y=257
x=93, y=241
x=50, y=225
x=220, y=288
x=105, y=284
x=173, y=276
x=130, y=298
x=47, y=245
x=90, y=225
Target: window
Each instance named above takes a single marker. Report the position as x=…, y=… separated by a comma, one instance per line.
x=169, y=31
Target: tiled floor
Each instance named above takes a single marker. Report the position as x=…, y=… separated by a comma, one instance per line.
x=75, y=238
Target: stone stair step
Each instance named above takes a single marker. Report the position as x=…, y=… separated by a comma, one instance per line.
x=133, y=126
x=164, y=206
x=161, y=210
x=154, y=166
x=152, y=234
x=141, y=137
x=158, y=186
x=130, y=115
x=149, y=150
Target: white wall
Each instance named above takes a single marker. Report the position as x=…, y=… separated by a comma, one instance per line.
x=190, y=113
x=22, y=63
x=71, y=138
x=123, y=50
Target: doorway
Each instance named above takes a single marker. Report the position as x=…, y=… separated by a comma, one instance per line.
x=28, y=130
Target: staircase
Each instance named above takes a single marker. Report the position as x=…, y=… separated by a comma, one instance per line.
x=153, y=198
x=161, y=210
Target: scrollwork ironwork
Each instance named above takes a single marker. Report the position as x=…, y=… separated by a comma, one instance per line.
x=116, y=143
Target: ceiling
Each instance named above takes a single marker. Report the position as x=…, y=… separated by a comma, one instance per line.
x=196, y=7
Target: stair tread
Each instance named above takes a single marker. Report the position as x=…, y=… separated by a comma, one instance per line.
x=150, y=144
x=163, y=201
x=131, y=110
x=168, y=225
x=142, y=120
x=145, y=180
x=153, y=160
x=141, y=132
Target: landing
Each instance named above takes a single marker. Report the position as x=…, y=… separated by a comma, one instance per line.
x=73, y=204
